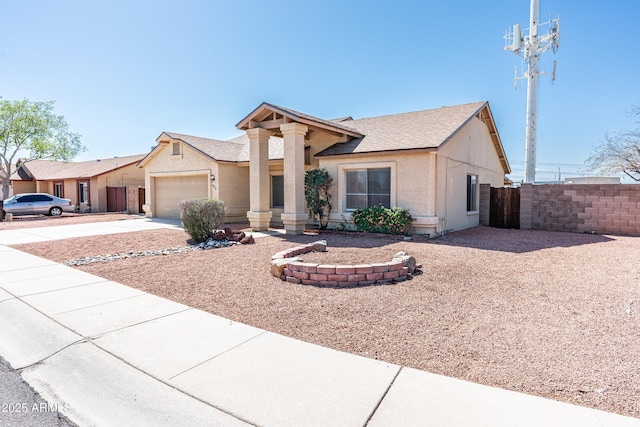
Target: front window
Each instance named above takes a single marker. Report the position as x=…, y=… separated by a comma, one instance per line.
x=368, y=187
x=277, y=191
x=83, y=192
x=472, y=193
x=176, y=148
x=58, y=189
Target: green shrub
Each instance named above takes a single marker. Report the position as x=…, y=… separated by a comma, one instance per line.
x=201, y=217
x=317, y=183
x=378, y=219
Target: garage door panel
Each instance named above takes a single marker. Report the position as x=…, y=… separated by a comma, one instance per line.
x=170, y=191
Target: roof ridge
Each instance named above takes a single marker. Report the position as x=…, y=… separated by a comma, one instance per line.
x=422, y=111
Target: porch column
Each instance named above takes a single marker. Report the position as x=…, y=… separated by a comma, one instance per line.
x=295, y=215
x=259, y=214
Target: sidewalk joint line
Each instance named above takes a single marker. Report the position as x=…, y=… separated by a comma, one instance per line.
x=383, y=396
x=62, y=289
x=231, y=414
x=219, y=354
x=101, y=334
x=99, y=304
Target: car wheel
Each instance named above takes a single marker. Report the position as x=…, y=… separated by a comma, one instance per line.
x=55, y=211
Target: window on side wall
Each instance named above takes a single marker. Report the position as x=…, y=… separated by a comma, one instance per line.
x=277, y=191
x=176, y=148
x=472, y=193
x=368, y=187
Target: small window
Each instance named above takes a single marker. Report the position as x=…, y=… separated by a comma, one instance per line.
x=176, y=148
x=58, y=189
x=41, y=198
x=368, y=187
x=277, y=191
x=472, y=193
x=83, y=192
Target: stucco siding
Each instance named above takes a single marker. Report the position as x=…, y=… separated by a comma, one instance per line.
x=468, y=152
x=413, y=183
x=163, y=163
x=232, y=185
x=23, y=187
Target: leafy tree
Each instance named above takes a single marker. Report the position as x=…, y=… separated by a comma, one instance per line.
x=34, y=128
x=317, y=183
x=618, y=153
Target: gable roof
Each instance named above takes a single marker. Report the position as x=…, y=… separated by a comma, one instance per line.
x=234, y=150
x=426, y=129
x=279, y=115
x=45, y=170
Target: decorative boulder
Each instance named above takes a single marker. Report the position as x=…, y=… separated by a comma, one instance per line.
x=247, y=240
x=407, y=261
x=319, y=246
x=234, y=235
x=278, y=265
x=219, y=235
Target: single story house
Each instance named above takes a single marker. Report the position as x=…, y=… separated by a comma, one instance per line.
x=84, y=183
x=430, y=162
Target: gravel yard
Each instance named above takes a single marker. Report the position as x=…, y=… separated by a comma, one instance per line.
x=545, y=313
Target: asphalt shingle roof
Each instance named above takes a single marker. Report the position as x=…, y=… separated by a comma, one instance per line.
x=419, y=129
x=233, y=150
x=49, y=170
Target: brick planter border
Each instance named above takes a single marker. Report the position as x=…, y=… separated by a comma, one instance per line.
x=329, y=275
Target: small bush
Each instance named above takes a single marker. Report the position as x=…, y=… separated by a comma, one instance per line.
x=378, y=219
x=201, y=217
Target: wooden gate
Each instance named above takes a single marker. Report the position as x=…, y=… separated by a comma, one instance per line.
x=116, y=199
x=505, y=208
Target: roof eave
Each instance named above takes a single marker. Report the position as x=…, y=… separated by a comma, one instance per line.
x=245, y=123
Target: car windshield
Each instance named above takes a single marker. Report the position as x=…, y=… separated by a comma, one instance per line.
x=10, y=200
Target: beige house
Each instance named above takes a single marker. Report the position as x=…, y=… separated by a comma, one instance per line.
x=430, y=162
x=84, y=183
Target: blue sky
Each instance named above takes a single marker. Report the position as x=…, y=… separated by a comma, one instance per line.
x=121, y=72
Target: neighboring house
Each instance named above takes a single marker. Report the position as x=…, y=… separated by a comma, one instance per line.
x=85, y=183
x=430, y=162
x=20, y=182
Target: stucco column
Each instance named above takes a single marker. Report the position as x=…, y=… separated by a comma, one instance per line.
x=259, y=214
x=295, y=215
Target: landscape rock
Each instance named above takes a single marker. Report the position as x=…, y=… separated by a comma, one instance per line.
x=247, y=240
x=209, y=244
x=234, y=235
x=319, y=246
x=407, y=261
x=219, y=235
x=278, y=265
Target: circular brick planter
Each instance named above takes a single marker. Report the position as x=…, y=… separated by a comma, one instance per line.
x=288, y=267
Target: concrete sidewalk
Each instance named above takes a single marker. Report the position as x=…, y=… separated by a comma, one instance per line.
x=114, y=355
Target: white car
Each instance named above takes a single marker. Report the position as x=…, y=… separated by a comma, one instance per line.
x=37, y=203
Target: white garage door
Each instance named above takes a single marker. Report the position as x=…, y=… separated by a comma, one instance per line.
x=170, y=191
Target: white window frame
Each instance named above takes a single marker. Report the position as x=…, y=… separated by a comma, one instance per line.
x=472, y=194
x=342, y=180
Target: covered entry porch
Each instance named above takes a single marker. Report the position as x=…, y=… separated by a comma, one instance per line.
x=303, y=136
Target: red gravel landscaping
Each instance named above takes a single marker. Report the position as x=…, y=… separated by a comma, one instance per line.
x=545, y=313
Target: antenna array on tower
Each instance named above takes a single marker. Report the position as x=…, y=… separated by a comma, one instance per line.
x=528, y=44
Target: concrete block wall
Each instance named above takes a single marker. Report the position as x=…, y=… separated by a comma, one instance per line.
x=599, y=208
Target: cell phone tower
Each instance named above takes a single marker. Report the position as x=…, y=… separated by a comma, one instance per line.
x=530, y=44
